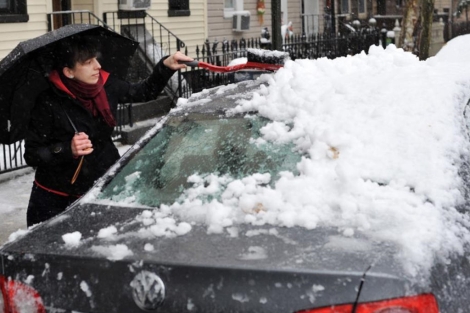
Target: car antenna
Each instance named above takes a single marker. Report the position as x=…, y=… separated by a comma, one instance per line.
x=354, y=308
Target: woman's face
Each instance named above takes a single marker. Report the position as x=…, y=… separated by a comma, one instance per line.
x=87, y=72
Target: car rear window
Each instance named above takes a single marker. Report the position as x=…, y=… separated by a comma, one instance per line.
x=198, y=144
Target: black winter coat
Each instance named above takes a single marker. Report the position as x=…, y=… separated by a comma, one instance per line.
x=49, y=136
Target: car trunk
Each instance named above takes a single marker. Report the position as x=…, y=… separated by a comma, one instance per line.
x=261, y=269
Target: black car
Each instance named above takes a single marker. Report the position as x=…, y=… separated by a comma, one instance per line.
x=155, y=234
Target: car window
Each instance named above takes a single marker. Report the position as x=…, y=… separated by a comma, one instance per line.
x=198, y=144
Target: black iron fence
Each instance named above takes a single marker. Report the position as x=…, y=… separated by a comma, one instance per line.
x=461, y=28
x=299, y=47
x=330, y=46
x=11, y=157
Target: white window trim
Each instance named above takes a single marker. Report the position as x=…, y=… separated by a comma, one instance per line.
x=361, y=14
x=228, y=12
x=341, y=6
x=284, y=14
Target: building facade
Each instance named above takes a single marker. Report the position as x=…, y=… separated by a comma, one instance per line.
x=197, y=20
x=25, y=19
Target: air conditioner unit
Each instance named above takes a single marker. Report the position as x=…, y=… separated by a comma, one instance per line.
x=241, y=21
x=133, y=5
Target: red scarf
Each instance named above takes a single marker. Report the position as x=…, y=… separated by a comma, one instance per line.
x=91, y=96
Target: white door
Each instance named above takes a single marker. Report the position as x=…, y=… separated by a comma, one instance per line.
x=312, y=17
x=284, y=16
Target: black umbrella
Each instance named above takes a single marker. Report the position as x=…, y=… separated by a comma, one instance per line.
x=23, y=72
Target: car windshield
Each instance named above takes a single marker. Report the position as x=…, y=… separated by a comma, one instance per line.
x=198, y=144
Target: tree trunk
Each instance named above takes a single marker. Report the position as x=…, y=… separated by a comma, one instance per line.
x=417, y=26
x=427, y=10
x=410, y=20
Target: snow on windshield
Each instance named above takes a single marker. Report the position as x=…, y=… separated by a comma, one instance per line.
x=385, y=138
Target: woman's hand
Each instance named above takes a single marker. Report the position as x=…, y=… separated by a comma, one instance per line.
x=172, y=60
x=81, y=145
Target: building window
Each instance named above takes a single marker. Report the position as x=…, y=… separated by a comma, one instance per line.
x=361, y=5
x=381, y=7
x=178, y=8
x=231, y=6
x=13, y=11
x=344, y=6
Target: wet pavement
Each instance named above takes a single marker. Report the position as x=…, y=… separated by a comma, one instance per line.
x=15, y=190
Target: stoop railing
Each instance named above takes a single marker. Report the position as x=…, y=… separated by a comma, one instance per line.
x=58, y=19
x=155, y=42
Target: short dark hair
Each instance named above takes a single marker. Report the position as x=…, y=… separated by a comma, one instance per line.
x=76, y=50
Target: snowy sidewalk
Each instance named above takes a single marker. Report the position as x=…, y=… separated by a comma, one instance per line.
x=15, y=188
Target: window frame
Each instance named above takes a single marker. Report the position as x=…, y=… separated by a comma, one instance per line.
x=381, y=7
x=183, y=9
x=364, y=6
x=345, y=7
x=16, y=12
x=237, y=6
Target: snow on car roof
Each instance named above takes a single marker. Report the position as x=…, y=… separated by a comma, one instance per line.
x=385, y=138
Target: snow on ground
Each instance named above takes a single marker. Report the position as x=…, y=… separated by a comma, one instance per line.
x=15, y=188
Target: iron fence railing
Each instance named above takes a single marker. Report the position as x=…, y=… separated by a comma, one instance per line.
x=461, y=28
x=11, y=157
x=221, y=53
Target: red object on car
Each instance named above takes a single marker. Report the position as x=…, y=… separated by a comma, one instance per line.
x=16, y=297
x=425, y=303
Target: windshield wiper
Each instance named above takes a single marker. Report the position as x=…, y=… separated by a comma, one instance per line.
x=354, y=308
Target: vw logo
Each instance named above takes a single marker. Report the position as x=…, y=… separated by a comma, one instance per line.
x=148, y=290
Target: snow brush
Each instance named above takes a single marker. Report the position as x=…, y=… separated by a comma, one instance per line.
x=258, y=59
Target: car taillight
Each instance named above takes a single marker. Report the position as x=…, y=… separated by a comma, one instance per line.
x=425, y=303
x=16, y=297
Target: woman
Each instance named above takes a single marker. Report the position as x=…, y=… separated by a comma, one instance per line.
x=69, y=135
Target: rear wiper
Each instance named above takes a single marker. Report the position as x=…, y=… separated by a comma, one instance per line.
x=354, y=308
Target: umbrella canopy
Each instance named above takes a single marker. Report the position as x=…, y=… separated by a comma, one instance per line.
x=24, y=71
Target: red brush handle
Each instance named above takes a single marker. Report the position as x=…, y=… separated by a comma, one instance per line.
x=262, y=66
x=233, y=68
